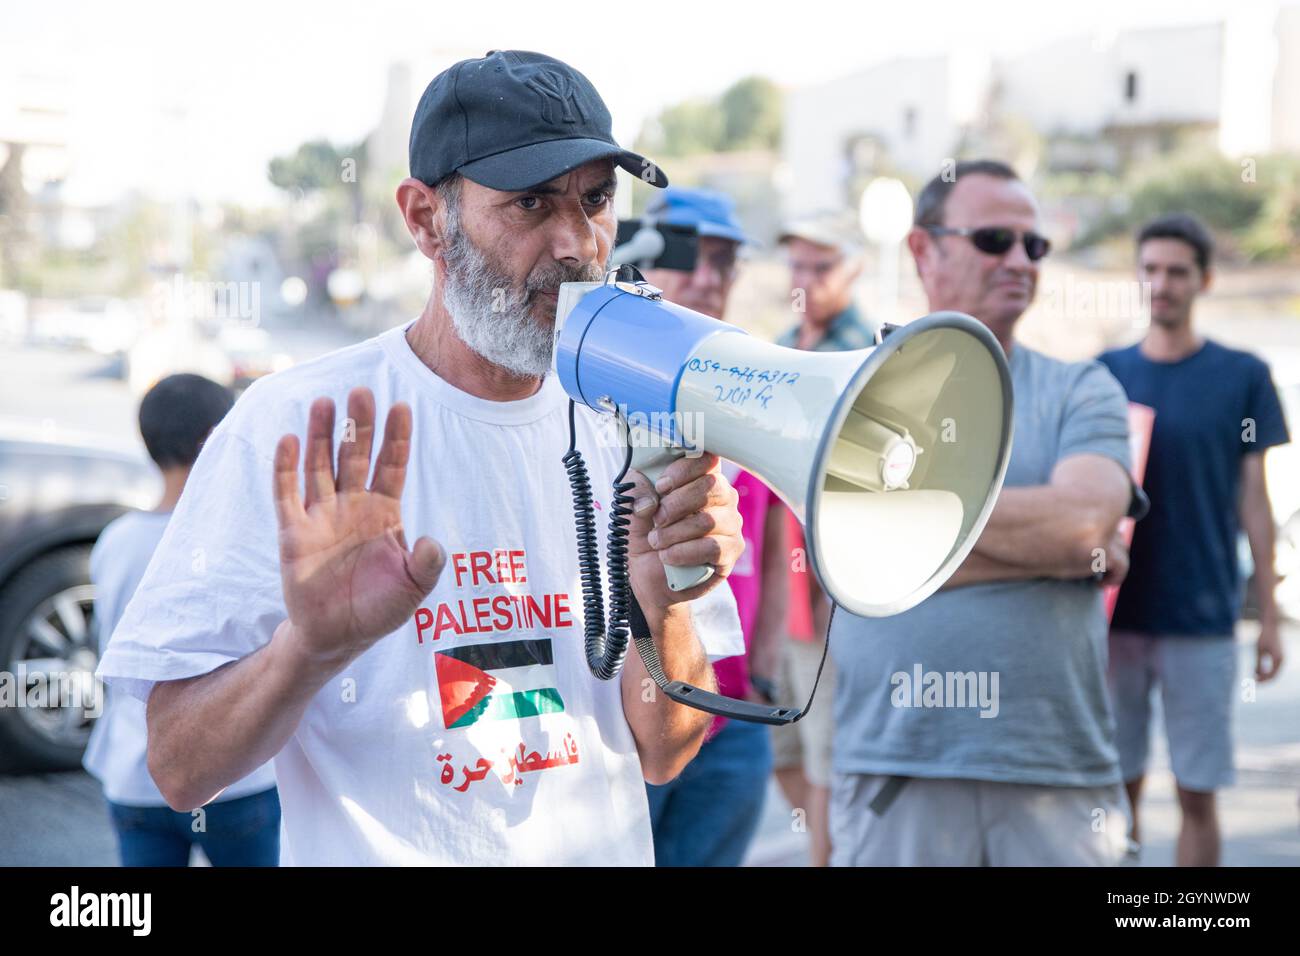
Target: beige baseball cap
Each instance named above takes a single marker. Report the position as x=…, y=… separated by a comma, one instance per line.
x=836, y=230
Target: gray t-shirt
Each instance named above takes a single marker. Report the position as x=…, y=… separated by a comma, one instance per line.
x=1029, y=655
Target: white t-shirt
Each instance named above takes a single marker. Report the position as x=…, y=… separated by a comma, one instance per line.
x=475, y=734
x=117, y=752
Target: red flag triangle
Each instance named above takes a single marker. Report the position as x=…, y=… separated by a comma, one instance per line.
x=461, y=687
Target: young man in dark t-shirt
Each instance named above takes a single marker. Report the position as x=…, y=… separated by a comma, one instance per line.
x=1217, y=412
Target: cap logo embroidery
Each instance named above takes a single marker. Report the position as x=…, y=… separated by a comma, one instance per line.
x=556, y=88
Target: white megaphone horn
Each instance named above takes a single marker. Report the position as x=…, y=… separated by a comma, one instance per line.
x=891, y=457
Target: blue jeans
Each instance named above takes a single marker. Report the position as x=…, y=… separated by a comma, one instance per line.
x=708, y=815
x=240, y=832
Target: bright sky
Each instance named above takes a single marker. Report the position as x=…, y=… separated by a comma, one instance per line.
x=200, y=95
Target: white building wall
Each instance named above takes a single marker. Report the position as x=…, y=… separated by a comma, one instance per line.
x=1286, y=82
x=1072, y=86
x=1179, y=75
x=821, y=121
x=1077, y=85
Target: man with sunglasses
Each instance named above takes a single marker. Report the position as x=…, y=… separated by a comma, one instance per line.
x=1026, y=774
x=998, y=240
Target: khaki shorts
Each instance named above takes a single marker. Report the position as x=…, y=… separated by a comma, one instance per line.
x=946, y=822
x=806, y=743
x=1197, y=678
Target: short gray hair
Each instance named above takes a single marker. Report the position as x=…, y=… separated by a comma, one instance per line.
x=930, y=203
x=448, y=190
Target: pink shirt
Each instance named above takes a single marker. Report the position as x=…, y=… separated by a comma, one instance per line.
x=799, y=617
x=745, y=580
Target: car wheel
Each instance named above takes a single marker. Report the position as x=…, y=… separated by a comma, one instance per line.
x=48, y=651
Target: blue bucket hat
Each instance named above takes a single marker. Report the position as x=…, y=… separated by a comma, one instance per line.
x=709, y=213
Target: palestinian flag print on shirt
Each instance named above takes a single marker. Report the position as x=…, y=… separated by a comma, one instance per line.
x=500, y=681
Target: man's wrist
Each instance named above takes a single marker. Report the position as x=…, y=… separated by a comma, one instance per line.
x=294, y=653
x=658, y=618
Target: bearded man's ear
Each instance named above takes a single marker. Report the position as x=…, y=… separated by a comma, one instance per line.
x=424, y=216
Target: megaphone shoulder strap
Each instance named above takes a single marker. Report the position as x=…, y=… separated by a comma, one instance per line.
x=708, y=701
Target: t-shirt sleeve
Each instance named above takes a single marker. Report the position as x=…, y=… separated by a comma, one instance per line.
x=211, y=593
x=100, y=620
x=1265, y=410
x=1095, y=419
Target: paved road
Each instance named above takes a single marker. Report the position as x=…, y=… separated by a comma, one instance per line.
x=68, y=394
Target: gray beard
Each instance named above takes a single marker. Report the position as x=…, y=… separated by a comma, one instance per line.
x=490, y=316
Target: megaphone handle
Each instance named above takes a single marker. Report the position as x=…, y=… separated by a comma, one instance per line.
x=653, y=462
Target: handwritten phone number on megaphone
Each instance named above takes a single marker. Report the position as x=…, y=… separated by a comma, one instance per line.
x=748, y=374
x=739, y=395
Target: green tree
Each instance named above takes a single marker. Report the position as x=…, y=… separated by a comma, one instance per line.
x=694, y=126
x=332, y=178
x=1206, y=183
x=1275, y=233
x=13, y=213
x=313, y=166
x=747, y=115
x=751, y=115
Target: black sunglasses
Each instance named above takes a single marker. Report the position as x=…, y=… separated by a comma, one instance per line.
x=997, y=240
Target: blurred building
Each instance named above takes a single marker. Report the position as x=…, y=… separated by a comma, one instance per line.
x=1286, y=82
x=394, y=286
x=1102, y=103
x=33, y=160
x=897, y=117
x=1074, y=104
x=387, y=146
x=34, y=123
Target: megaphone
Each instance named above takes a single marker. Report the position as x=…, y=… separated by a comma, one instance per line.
x=891, y=457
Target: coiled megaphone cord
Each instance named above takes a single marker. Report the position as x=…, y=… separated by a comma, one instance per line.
x=606, y=649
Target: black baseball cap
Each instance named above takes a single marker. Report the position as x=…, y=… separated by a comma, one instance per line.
x=512, y=120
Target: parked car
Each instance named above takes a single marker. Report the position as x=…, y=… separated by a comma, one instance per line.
x=107, y=326
x=55, y=499
x=251, y=353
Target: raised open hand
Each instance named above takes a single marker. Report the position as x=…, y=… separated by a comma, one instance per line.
x=347, y=575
